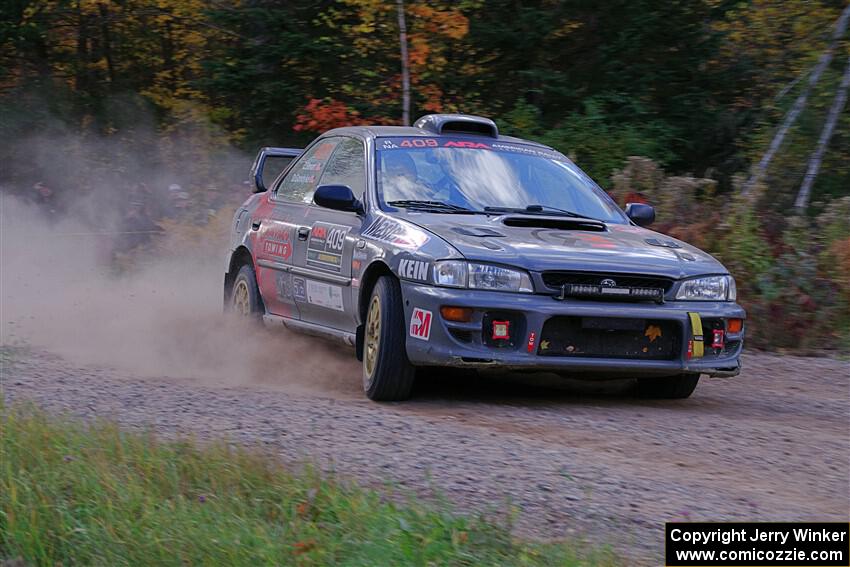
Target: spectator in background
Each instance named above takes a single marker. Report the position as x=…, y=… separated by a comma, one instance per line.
x=43, y=198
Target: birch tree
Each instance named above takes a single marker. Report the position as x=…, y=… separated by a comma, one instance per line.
x=823, y=142
x=405, y=67
x=799, y=104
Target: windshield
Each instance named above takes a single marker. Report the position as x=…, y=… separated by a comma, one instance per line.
x=458, y=174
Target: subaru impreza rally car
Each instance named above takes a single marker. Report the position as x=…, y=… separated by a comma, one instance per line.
x=448, y=244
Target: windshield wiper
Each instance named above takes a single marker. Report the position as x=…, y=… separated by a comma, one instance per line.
x=540, y=209
x=432, y=206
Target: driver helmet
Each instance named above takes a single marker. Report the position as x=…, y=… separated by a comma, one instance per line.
x=399, y=164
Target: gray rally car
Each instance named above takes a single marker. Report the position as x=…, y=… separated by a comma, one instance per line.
x=448, y=244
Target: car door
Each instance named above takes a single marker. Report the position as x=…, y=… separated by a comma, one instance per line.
x=326, y=240
x=277, y=224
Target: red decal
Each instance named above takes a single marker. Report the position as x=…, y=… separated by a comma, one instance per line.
x=596, y=241
x=420, y=324
x=690, y=349
x=464, y=144
x=324, y=150
x=532, y=336
x=501, y=330
x=718, y=338
x=279, y=249
x=320, y=232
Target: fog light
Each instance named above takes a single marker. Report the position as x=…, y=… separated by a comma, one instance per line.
x=501, y=330
x=458, y=314
x=734, y=325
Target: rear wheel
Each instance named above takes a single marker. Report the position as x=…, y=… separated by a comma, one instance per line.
x=668, y=387
x=387, y=373
x=245, y=300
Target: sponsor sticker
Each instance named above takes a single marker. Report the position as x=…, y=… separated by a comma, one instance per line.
x=532, y=338
x=326, y=245
x=299, y=289
x=394, y=232
x=277, y=243
x=413, y=269
x=421, y=142
x=420, y=324
x=324, y=295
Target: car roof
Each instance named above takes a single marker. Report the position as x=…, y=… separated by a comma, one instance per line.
x=412, y=131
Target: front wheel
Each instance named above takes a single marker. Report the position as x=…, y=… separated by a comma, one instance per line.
x=668, y=387
x=245, y=300
x=387, y=373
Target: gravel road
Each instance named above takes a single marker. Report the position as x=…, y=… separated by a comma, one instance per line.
x=588, y=462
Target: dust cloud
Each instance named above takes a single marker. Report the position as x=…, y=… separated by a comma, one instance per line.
x=160, y=315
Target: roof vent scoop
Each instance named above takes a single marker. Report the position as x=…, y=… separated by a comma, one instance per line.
x=458, y=124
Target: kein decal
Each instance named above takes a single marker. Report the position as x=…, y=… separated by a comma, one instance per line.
x=413, y=269
x=420, y=324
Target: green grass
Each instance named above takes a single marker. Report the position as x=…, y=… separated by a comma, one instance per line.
x=96, y=495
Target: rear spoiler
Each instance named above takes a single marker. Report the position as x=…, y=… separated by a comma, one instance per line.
x=260, y=163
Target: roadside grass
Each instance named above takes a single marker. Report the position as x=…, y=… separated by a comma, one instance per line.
x=72, y=493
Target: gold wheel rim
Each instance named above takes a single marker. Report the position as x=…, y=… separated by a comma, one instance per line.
x=373, y=337
x=241, y=299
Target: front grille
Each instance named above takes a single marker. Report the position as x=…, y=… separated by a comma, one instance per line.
x=557, y=279
x=610, y=337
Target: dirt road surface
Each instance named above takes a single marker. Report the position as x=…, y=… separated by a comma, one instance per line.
x=586, y=462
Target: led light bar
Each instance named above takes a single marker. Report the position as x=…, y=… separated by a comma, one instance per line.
x=628, y=293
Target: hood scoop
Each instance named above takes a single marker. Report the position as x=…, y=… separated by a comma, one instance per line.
x=479, y=232
x=556, y=223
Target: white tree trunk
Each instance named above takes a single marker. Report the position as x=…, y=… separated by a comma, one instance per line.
x=799, y=104
x=405, y=69
x=823, y=142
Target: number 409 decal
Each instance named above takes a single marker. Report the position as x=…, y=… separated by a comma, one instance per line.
x=419, y=143
x=433, y=143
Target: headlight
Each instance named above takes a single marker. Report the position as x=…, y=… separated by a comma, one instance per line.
x=712, y=288
x=472, y=275
x=450, y=273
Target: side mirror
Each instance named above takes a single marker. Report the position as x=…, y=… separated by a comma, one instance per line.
x=338, y=198
x=641, y=214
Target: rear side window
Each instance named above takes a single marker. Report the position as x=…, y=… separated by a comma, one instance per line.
x=301, y=181
x=347, y=166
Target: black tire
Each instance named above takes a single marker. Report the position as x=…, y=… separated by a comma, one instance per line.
x=387, y=373
x=245, y=300
x=668, y=387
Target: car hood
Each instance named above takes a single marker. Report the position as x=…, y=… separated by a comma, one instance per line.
x=538, y=247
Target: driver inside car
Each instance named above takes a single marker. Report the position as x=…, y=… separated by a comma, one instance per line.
x=402, y=181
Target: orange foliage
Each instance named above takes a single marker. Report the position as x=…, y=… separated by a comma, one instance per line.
x=433, y=97
x=319, y=115
x=449, y=22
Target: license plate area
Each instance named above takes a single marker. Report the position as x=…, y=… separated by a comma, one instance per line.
x=610, y=337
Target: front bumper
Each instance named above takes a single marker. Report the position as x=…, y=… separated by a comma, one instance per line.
x=443, y=347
